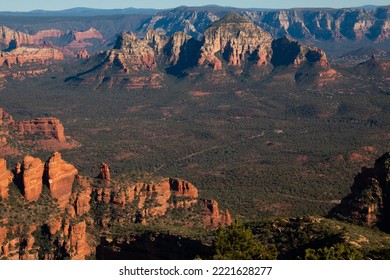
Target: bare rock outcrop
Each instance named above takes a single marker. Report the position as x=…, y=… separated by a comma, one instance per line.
x=7, y=35
x=235, y=40
x=132, y=54
x=287, y=51
x=181, y=188
x=32, y=173
x=104, y=172
x=369, y=203
x=82, y=54
x=77, y=244
x=24, y=55
x=176, y=46
x=60, y=176
x=5, y=179
x=156, y=41
x=44, y=34
x=213, y=217
x=49, y=127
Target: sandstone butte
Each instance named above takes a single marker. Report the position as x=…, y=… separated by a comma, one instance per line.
x=60, y=176
x=32, y=174
x=24, y=55
x=50, y=127
x=74, y=39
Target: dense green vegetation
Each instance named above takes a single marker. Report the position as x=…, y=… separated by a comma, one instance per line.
x=235, y=242
x=263, y=148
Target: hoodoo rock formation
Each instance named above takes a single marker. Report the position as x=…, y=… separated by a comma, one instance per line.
x=104, y=172
x=369, y=200
x=215, y=218
x=60, y=177
x=32, y=174
x=82, y=54
x=5, y=179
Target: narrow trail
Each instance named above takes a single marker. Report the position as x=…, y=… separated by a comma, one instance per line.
x=335, y=201
x=211, y=149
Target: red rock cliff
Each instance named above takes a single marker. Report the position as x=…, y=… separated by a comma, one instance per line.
x=50, y=127
x=5, y=179
x=23, y=55
x=60, y=176
x=32, y=173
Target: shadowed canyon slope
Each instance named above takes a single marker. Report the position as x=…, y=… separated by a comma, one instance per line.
x=230, y=44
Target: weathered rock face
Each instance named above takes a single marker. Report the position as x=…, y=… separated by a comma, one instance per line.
x=287, y=51
x=312, y=24
x=369, y=202
x=82, y=197
x=213, y=216
x=49, y=127
x=32, y=174
x=7, y=35
x=60, y=177
x=82, y=54
x=5, y=179
x=104, y=172
x=181, y=19
x=76, y=40
x=175, y=46
x=24, y=55
x=181, y=188
x=236, y=40
x=44, y=34
x=91, y=33
x=156, y=41
x=78, y=246
x=165, y=194
x=132, y=54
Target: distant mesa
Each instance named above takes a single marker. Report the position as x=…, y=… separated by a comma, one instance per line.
x=348, y=24
x=231, y=42
x=50, y=132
